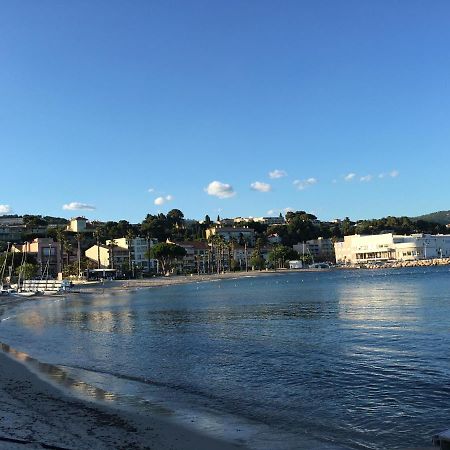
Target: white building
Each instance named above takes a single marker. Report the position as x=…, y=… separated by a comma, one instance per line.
x=390, y=247
x=138, y=247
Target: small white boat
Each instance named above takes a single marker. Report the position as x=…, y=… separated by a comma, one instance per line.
x=319, y=266
x=25, y=293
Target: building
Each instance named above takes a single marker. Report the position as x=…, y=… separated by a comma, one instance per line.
x=47, y=253
x=123, y=254
x=239, y=234
x=319, y=249
x=108, y=257
x=139, y=248
x=197, y=258
x=296, y=264
x=278, y=220
x=78, y=225
x=357, y=249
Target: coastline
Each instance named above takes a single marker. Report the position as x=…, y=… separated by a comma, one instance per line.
x=35, y=414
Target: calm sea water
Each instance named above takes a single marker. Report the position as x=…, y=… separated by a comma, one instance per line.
x=346, y=359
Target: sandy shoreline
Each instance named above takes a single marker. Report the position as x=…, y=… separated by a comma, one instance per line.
x=177, y=279
x=34, y=414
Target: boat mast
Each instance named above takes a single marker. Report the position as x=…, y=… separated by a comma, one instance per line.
x=4, y=265
x=21, y=269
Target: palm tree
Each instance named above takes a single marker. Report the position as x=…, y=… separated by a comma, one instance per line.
x=130, y=237
x=61, y=238
x=111, y=245
x=79, y=238
x=97, y=238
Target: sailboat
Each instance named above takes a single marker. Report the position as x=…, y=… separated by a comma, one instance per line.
x=4, y=290
x=21, y=290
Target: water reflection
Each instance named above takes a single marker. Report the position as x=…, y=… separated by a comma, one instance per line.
x=59, y=376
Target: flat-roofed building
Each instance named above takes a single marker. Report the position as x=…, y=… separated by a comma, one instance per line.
x=78, y=225
x=390, y=247
x=239, y=234
x=320, y=248
x=108, y=256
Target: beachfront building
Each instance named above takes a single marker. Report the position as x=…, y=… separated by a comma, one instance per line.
x=123, y=254
x=139, y=248
x=197, y=258
x=46, y=252
x=357, y=249
x=239, y=234
x=108, y=256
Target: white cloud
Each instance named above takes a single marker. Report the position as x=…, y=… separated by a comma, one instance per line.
x=366, y=178
x=74, y=206
x=394, y=173
x=277, y=173
x=261, y=187
x=271, y=212
x=220, y=190
x=303, y=184
x=161, y=200
x=151, y=190
x=350, y=176
x=381, y=175
x=288, y=209
x=5, y=209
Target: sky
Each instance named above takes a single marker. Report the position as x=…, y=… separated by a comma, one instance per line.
x=115, y=109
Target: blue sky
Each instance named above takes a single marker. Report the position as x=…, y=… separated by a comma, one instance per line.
x=110, y=106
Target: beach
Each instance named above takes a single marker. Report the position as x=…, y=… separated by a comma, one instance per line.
x=34, y=414
x=37, y=411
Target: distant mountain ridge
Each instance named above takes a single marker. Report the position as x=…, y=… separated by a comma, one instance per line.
x=441, y=217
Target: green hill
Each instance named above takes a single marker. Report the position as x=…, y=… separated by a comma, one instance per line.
x=441, y=217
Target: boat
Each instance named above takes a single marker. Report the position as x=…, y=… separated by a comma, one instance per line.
x=25, y=293
x=319, y=266
x=5, y=289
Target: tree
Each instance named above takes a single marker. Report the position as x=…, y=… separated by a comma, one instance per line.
x=111, y=245
x=280, y=254
x=257, y=261
x=27, y=270
x=155, y=227
x=175, y=218
x=130, y=238
x=166, y=254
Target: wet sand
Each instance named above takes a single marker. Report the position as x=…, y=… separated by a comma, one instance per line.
x=35, y=414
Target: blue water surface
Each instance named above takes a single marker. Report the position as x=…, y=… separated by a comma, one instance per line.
x=356, y=358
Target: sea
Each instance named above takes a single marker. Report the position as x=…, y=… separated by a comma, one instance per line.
x=327, y=359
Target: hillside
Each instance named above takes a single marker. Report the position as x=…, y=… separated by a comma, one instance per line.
x=441, y=217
